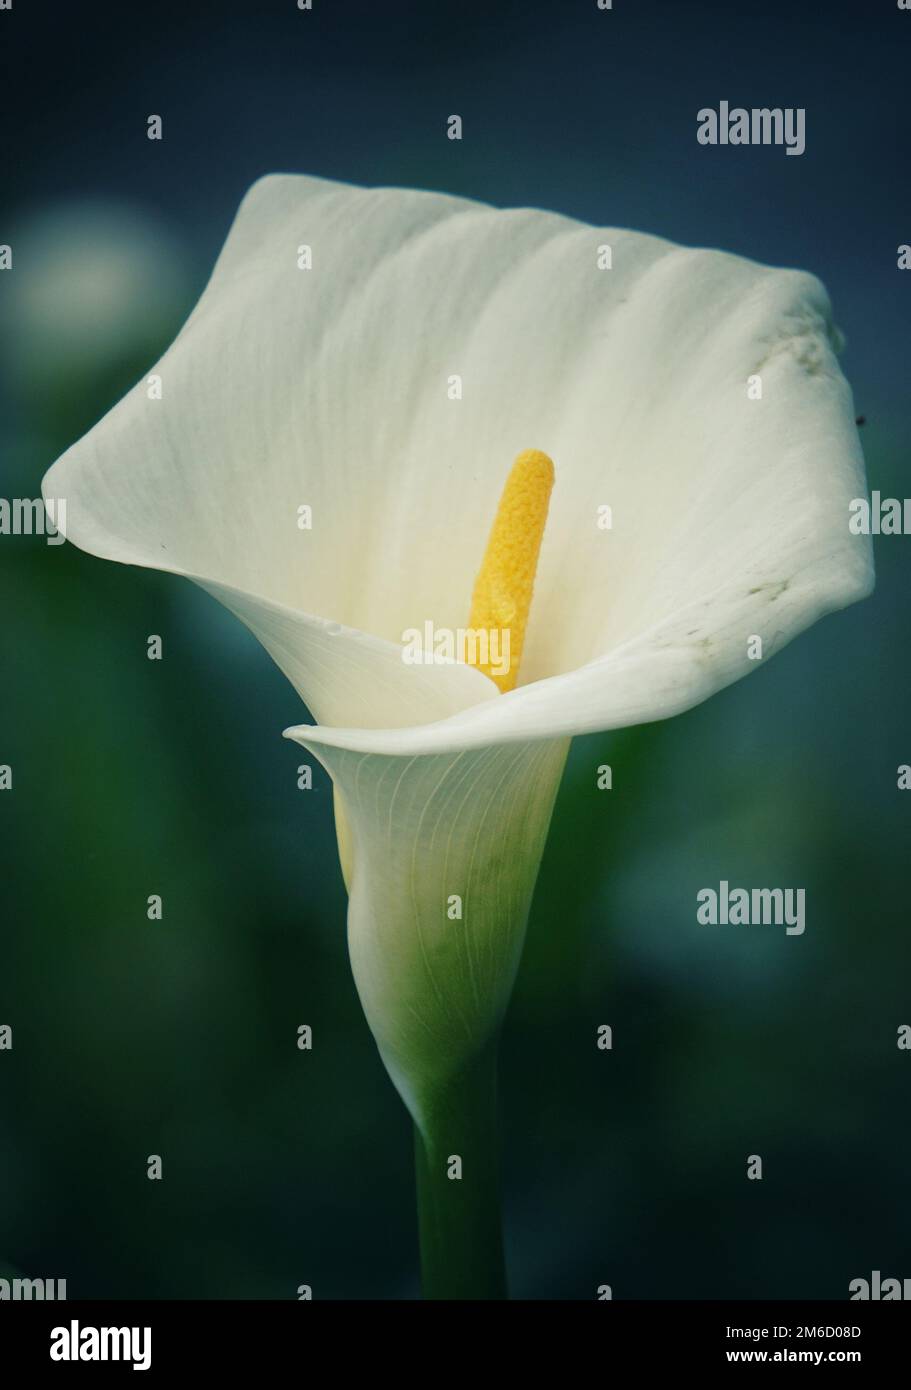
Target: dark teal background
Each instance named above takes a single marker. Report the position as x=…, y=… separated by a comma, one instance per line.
x=134, y=777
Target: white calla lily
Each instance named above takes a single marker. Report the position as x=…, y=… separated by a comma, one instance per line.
x=379, y=357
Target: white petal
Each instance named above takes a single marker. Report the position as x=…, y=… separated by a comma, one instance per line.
x=346, y=676
x=328, y=387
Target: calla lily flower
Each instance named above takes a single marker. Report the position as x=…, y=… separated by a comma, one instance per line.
x=326, y=455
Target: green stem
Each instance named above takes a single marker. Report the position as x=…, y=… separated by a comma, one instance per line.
x=459, y=1218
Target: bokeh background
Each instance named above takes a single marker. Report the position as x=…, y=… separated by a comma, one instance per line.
x=178, y=1037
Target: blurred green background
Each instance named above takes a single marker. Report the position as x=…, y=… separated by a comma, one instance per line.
x=134, y=777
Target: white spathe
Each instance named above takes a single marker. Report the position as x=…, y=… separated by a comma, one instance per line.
x=444, y=851
x=327, y=388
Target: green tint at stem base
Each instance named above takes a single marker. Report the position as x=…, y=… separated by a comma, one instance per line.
x=459, y=1217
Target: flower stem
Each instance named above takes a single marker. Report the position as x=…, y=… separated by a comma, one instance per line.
x=459, y=1217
